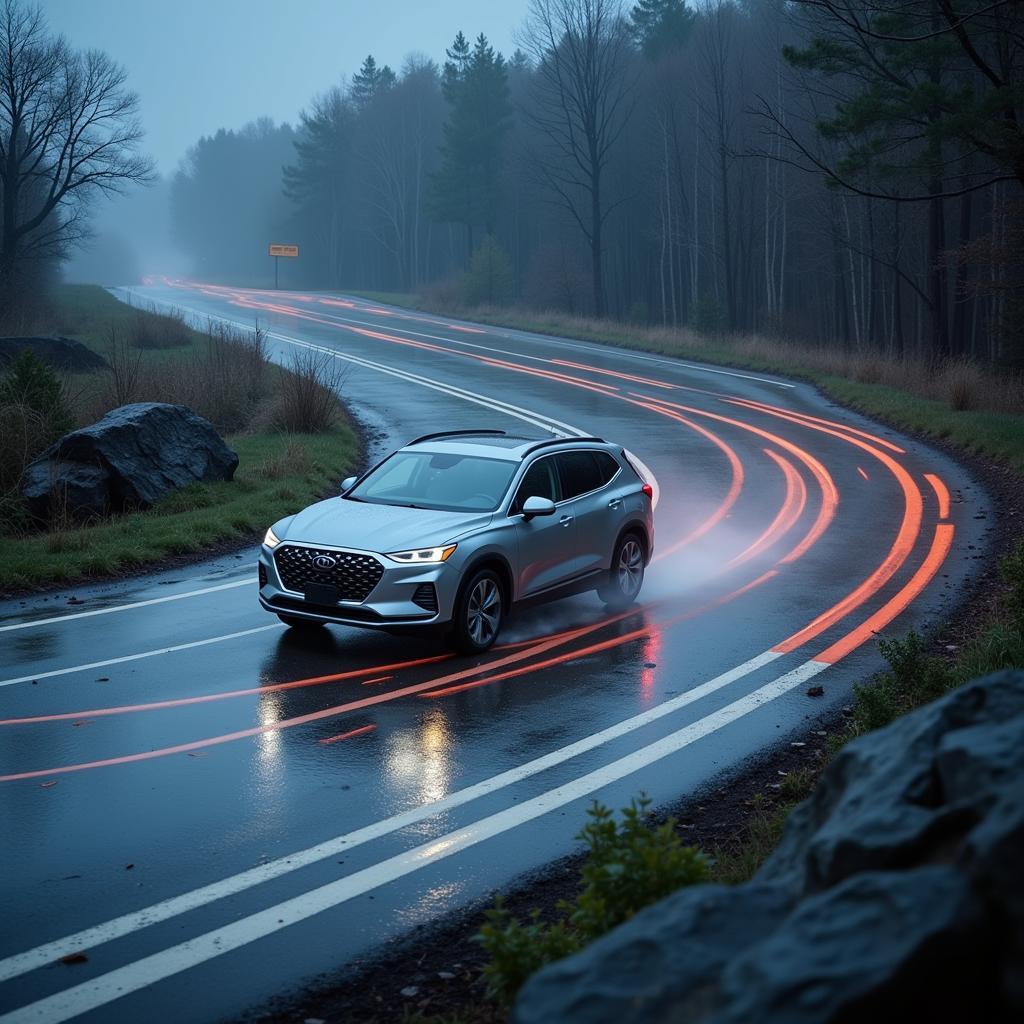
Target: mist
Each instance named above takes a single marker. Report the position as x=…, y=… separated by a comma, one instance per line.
x=716, y=180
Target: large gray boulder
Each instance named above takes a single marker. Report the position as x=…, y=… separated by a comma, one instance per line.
x=131, y=458
x=897, y=889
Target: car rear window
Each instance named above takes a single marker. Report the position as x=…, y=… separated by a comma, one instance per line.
x=607, y=465
x=580, y=472
x=437, y=480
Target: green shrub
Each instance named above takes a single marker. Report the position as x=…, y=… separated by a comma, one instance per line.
x=490, y=279
x=630, y=864
x=914, y=678
x=1012, y=571
x=31, y=383
x=707, y=316
x=518, y=950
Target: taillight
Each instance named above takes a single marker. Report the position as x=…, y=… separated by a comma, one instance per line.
x=648, y=490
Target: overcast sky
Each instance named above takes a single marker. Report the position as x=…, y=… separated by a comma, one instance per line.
x=200, y=65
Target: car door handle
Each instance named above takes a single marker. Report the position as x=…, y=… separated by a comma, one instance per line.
x=565, y=520
x=615, y=503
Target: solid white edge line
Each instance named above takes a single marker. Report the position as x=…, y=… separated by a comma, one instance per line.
x=527, y=415
x=136, y=657
x=122, y=981
x=96, y=935
x=127, y=607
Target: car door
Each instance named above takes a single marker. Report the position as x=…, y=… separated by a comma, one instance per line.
x=546, y=544
x=584, y=478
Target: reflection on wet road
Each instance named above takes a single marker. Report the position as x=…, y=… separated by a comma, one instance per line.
x=217, y=810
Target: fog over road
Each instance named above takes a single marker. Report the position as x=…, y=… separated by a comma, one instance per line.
x=216, y=811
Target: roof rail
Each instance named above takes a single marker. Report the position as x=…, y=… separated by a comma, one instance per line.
x=452, y=433
x=561, y=440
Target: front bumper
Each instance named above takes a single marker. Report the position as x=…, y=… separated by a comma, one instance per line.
x=388, y=605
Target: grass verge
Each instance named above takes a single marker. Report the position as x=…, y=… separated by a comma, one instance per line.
x=277, y=474
x=293, y=441
x=975, y=410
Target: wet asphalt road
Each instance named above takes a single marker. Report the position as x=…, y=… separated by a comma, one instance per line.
x=215, y=812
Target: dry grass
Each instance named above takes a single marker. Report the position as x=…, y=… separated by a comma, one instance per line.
x=224, y=378
x=152, y=330
x=961, y=384
x=294, y=460
x=308, y=393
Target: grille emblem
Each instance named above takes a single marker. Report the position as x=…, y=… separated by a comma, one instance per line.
x=324, y=563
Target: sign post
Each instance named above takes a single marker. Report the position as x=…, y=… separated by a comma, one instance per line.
x=277, y=251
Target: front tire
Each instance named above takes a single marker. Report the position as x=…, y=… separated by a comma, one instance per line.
x=297, y=622
x=479, y=613
x=626, y=576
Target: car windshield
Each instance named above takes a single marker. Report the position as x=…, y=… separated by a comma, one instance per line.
x=437, y=480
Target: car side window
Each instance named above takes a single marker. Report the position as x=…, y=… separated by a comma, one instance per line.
x=580, y=473
x=539, y=481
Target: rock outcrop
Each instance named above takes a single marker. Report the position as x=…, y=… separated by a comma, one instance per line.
x=897, y=891
x=131, y=458
x=60, y=353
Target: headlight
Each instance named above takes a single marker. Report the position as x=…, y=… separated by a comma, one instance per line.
x=423, y=554
x=271, y=540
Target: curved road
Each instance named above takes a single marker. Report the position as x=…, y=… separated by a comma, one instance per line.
x=213, y=812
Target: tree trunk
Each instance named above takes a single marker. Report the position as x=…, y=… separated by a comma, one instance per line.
x=961, y=298
x=595, y=244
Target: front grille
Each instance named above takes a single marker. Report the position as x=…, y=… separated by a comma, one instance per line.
x=425, y=596
x=354, y=575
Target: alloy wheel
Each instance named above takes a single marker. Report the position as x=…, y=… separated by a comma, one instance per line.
x=483, y=612
x=630, y=568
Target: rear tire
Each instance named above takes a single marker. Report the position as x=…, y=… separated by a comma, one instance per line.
x=626, y=576
x=296, y=622
x=479, y=613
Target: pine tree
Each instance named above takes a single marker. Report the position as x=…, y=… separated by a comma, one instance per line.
x=660, y=25
x=904, y=101
x=475, y=83
x=369, y=81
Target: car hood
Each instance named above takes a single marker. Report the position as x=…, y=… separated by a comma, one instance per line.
x=340, y=523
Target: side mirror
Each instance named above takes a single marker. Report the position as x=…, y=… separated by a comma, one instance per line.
x=348, y=482
x=535, y=506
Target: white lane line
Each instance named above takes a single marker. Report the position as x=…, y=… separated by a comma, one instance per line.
x=136, y=657
x=113, y=985
x=96, y=935
x=127, y=607
x=518, y=412
x=535, y=338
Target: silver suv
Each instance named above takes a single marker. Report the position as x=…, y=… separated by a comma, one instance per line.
x=455, y=528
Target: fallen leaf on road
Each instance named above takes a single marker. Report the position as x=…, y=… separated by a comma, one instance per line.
x=47, y=785
x=816, y=691
x=200, y=754
x=74, y=958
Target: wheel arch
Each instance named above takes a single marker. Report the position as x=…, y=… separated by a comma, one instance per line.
x=500, y=565
x=638, y=527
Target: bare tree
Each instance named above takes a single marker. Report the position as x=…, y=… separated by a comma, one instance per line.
x=68, y=134
x=582, y=101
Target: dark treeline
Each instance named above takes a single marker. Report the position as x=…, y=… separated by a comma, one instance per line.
x=846, y=172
